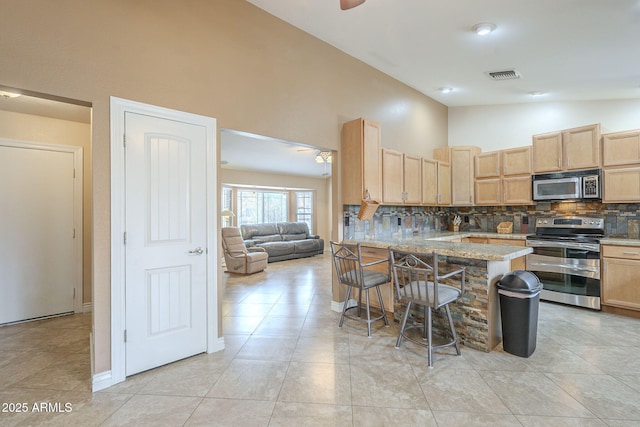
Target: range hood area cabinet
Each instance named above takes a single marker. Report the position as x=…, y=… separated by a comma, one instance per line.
x=360, y=161
x=401, y=178
x=621, y=167
x=571, y=149
x=462, y=161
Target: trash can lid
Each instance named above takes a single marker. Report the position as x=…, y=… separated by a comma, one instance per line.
x=520, y=281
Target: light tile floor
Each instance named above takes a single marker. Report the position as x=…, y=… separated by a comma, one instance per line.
x=286, y=363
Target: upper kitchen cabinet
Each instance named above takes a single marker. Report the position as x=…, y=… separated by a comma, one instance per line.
x=547, y=152
x=516, y=161
x=513, y=161
x=360, y=161
x=412, y=179
x=488, y=165
x=436, y=183
x=621, y=148
x=462, y=161
x=401, y=178
x=621, y=161
x=581, y=147
x=577, y=148
x=503, y=177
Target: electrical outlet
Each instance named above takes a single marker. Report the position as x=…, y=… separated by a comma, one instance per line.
x=466, y=219
x=525, y=220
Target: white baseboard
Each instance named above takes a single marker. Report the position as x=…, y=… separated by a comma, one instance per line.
x=101, y=381
x=217, y=346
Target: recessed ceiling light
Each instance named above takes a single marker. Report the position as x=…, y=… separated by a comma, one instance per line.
x=9, y=94
x=536, y=93
x=483, y=28
x=445, y=89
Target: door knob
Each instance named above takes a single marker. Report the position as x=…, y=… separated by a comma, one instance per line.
x=196, y=251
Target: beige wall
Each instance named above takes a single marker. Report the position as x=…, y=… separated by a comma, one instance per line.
x=221, y=58
x=25, y=127
x=496, y=127
x=321, y=186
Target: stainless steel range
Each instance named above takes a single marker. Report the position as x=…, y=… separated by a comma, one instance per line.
x=566, y=259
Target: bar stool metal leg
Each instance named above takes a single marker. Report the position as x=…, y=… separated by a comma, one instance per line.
x=453, y=329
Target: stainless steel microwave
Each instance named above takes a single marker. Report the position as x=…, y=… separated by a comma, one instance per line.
x=573, y=185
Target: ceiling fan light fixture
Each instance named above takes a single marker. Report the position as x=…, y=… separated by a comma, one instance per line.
x=483, y=28
x=350, y=4
x=323, y=157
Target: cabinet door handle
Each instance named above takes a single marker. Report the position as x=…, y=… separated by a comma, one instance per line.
x=630, y=253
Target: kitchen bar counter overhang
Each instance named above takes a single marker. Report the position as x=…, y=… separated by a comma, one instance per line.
x=477, y=313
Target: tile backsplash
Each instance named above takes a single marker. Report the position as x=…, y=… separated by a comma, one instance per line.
x=621, y=220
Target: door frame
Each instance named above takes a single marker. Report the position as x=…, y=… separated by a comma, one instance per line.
x=78, y=222
x=118, y=314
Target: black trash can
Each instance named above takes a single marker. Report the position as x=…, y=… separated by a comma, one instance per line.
x=519, y=303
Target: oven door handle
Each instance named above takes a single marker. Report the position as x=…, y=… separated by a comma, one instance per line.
x=567, y=266
x=592, y=247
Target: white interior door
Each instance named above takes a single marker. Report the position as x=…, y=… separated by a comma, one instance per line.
x=37, y=258
x=166, y=241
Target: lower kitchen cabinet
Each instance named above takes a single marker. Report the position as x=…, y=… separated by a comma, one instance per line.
x=387, y=290
x=620, y=272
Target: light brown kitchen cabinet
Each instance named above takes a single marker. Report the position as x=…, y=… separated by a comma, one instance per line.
x=516, y=190
x=620, y=272
x=621, y=148
x=436, y=183
x=444, y=183
x=577, y=148
x=462, y=161
x=621, y=172
x=401, y=178
x=488, y=191
x=547, y=152
x=621, y=185
x=360, y=161
x=503, y=191
x=581, y=147
x=373, y=254
x=392, y=177
x=412, y=179
x=516, y=161
x=509, y=181
x=488, y=165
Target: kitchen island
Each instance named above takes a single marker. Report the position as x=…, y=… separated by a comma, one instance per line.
x=476, y=314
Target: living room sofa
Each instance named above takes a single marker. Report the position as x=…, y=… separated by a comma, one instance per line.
x=283, y=240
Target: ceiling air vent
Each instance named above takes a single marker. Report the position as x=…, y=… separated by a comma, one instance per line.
x=504, y=75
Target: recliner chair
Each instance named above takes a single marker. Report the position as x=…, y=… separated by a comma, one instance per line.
x=238, y=258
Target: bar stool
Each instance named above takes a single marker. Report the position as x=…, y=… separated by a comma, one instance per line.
x=352, y=273
x=417, y=282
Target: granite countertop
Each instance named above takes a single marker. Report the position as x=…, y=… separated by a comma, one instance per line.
x=440, y=242
x=620, y=241
x=449, y=235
